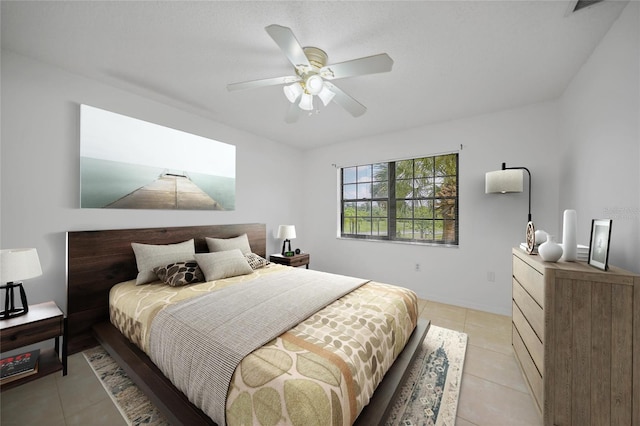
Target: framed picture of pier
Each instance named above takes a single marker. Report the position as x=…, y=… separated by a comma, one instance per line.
x=126, y=163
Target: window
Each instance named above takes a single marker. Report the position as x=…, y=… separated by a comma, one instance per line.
x=412, y=200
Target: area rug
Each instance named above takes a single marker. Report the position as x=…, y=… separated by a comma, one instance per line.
x=430, y=394
x=429, y=397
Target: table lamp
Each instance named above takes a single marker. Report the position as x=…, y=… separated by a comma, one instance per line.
x=16, y=265
x=287, y=232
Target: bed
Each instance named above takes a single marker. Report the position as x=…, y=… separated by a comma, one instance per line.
x=100, y=260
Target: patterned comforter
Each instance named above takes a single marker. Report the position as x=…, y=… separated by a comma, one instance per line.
x=322, y=371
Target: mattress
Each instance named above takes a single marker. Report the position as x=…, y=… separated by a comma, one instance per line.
x=322, y=371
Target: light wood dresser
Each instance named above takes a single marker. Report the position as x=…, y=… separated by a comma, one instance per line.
x=576, y=336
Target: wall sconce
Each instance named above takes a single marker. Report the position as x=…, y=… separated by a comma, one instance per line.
x=286, y=232
x=510, y=179
x=15, y=265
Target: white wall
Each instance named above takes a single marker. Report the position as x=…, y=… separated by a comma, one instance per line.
x=601, y=130
x=40, y=169
x=583, y=153
x=489, y=224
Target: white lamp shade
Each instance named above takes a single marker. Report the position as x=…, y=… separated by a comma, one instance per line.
x=306, y=102
x=19, y=264
x=503, y=181
x=314, y=84
x=286, y=232
x=326, y=96
x=292, y=92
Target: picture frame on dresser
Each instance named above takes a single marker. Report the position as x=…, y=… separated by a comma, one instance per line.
x=599, y=243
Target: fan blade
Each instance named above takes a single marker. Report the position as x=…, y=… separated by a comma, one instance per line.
x=293, y=113
x=367, y=65
x=286, y=40
x=354, y=107
x=262, y=83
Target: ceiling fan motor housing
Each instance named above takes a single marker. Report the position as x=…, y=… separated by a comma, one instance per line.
x=311, y=81
x=317, y=57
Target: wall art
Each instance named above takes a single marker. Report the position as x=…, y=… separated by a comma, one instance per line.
x=126, y=163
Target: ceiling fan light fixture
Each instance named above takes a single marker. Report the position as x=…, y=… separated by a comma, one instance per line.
x=306, y=102
x=314, y=84
x=326, y=95
x=292, y=92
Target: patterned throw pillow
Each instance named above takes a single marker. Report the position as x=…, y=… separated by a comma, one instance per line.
x=180, y=273
x=255, y=261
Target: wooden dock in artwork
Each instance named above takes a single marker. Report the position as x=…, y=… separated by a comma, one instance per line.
x=169, y=191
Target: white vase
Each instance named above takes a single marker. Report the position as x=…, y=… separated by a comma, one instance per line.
x=569, y=231
x=550, y=251
x=541, y=236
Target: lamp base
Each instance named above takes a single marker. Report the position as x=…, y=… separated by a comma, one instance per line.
x=284, y=243
x=10, y=310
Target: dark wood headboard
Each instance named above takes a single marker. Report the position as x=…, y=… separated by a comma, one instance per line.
x=97, y=260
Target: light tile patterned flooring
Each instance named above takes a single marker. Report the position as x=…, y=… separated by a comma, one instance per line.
x=493, y=391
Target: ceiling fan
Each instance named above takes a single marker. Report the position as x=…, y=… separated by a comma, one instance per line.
x=313, y=76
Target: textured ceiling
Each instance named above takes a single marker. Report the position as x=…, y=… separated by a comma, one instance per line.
x=452, y=59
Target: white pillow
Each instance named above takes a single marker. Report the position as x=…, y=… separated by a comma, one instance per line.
x=149, y=256
x=225, y=244
x=223, y=264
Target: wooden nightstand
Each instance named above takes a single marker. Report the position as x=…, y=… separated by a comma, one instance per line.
x=296, y=260
x=43, y=321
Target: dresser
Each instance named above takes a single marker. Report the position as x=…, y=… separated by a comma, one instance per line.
x=575, y=332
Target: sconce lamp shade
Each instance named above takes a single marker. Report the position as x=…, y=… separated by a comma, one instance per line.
x=508, y=179
x=287, y=232
x=16, y=265
x=503, y=181
x=19, y=264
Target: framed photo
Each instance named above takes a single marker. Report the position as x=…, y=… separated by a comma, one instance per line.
x=599, y=245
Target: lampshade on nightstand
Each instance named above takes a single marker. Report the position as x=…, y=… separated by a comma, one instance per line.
x=16, y=265
x=287, y=233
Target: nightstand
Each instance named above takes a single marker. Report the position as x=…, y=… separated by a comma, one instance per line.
x=43, y=321
x=296, y=260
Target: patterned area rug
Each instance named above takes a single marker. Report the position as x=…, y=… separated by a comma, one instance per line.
x=430, y=396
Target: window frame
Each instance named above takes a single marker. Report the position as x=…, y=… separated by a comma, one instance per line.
x=391, y=201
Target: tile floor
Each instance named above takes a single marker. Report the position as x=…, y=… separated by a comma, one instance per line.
x=493, y=391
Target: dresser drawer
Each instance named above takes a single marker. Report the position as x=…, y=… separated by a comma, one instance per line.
x=534, y=379
x=529, y=308
x=530, y=279
x=34, y=332
x=532, y=342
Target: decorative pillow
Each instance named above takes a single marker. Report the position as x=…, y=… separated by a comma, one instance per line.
x=180, y=273
x=255, y=261
x=149, y=256
x=223, y=264
x=225, y=244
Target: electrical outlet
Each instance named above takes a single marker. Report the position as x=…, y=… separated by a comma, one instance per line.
x=417, y=267
x=491, y=277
